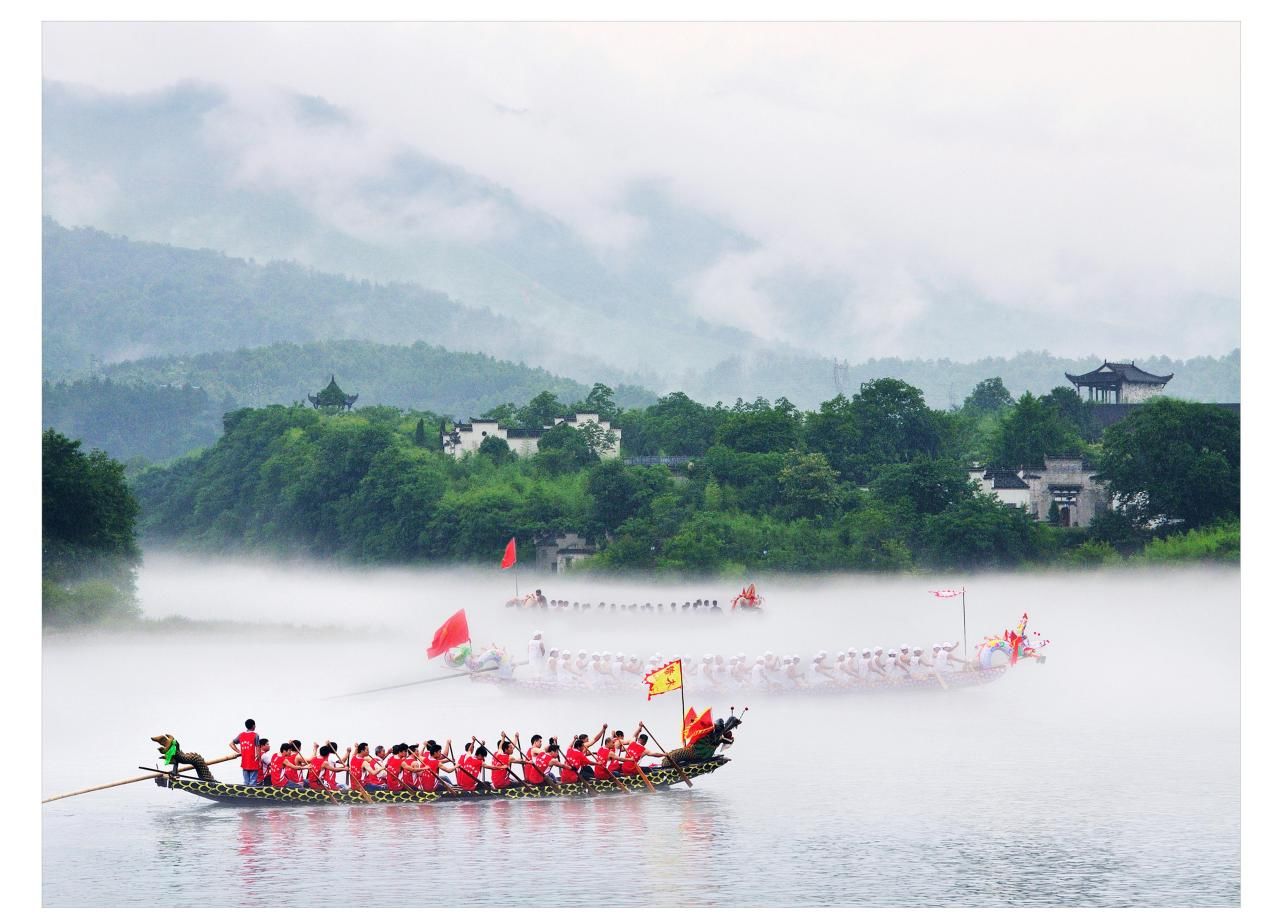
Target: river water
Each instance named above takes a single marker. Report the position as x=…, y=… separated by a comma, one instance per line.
x=1109, y=776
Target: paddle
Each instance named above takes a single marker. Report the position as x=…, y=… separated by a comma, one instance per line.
x=528, y=759
x=509, y=769
x=439, y=778
x=649, y=786
x=679, y=769
x=168, y=773
x=356, y=782
x=134, y=780
x=383, y=689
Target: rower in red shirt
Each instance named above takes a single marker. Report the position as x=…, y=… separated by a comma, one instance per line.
x=434, y=761
x=500, y=765
x=535, y=762
x=247, y=744
x=392, y=767
x=469, y=767
x=576, y=766
x=634, y=751
x=601, y=767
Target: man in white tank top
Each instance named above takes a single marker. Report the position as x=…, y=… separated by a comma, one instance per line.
x=864, y=672
x=536, y=654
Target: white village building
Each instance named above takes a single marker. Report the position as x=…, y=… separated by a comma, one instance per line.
x=1064, y=481
x=467, y=437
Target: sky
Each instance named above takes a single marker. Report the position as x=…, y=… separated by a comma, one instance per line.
x=964, y=176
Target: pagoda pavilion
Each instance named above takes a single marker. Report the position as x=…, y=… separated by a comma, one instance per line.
x=1119, y=382
x=332, y=399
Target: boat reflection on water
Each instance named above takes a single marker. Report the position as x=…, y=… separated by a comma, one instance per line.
x=481, y=854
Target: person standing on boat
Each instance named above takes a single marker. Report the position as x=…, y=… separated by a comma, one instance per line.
x=536, y=655
x=247, y=744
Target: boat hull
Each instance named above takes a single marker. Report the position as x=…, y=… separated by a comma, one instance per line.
x=266, y=796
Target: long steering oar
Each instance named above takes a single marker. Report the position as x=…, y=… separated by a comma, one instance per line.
x=383, y=689
x=130, y=781
x=668, y=756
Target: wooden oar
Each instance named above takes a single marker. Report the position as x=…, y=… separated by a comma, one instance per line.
x=649, y=786
x=130, y=781
x=167, y=772
x=509, y=769
x=383, y=689
x=680, y=771
x=356, y=782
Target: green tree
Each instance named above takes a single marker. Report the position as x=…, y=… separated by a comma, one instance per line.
x=989, y=396
x=89, y=533
x=832, y=431
x=893, y=423
x=496, y=449
x=540, y=411
x=563, y=449
x=759, y=427
x=981, y=532
x=1030, y=431
x=1174, y=462
x=923, y=486
x=601, y=400
x=809, y=486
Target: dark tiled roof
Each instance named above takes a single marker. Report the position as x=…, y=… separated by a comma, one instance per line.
x=1119, y=371
x=1007, y=479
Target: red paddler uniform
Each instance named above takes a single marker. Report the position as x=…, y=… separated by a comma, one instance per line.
x=369, y=773
x=393, y=773
x=634, y=752
x=277, y=772
x=501, y=777
x=600, y=769
x=248, y=745
x=468, y=772
x=571, y=772
x=430, y=774
x=530, y=773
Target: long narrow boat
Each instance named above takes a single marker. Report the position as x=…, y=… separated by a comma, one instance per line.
x=956, y=680
x=242, y=795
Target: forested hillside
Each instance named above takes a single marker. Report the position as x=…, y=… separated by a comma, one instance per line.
x=108, y=299
x=804, y=378
x=161, y=407
x=872, y=482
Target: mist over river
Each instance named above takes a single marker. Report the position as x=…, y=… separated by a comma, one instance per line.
x=1109, y=776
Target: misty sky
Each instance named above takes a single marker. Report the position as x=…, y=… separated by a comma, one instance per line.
x=1015, y=179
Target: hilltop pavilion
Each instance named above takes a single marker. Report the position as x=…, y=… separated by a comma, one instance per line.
x=332, y=399
x=1119, y=382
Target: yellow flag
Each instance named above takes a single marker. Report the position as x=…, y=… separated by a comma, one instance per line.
x=663, y=679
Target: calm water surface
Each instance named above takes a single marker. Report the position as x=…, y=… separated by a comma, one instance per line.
x=1108, y=776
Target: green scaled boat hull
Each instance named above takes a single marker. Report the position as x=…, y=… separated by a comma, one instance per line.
x=243, y=795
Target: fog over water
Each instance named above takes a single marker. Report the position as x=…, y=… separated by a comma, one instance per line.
x=1108, y=776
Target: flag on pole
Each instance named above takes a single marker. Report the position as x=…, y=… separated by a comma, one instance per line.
x=663, y=679
x=452, y=633
x=947, y=592
x=696, y=726
x=511, y=555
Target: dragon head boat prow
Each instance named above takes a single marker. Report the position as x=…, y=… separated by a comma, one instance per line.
x=1012, y=646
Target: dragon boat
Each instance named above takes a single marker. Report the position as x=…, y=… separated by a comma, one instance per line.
x=957, y=680
x=701, y=757
x=243, y=795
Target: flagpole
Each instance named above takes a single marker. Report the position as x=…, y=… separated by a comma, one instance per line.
x=965, y=624
x=683, y=705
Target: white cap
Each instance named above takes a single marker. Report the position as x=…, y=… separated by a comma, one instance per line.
x=536, y=634
x=583, y=654
x=905, y=647
x=553, y=652
x=795, y=658
x=839, y=656
x=878, y=648
x=865, y=651
x=619, y=656
x=852, y=651
x=892, y=652
x=936, y=646
x=742, y=657
x=819, y=656
x=786, y=659
x=918, y=650
x=606, y=654
x=634, y=657
x=734, y=659
x=566, y=653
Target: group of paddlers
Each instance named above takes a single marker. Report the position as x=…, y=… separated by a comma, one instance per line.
x=539, y=601
x=769, y=670
x=426, y=766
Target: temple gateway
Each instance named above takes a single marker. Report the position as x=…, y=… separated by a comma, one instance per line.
x=1119, y=382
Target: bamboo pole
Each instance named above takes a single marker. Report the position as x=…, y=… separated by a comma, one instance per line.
x=129, y=781
x=680, y=771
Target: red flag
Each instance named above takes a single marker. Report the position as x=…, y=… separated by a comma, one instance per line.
x=454, y=632
x=947, y=592
x=511, y=555
x=697, y=727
